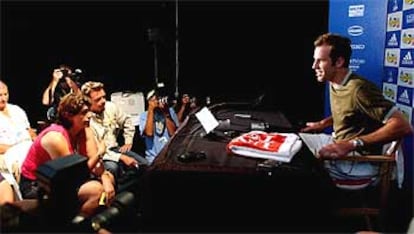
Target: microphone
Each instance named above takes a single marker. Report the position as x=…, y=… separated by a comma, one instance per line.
x=223, y=125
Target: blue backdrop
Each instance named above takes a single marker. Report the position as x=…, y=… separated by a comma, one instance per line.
x=382, y=37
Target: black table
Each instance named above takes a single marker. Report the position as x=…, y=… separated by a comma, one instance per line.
x=224, y=192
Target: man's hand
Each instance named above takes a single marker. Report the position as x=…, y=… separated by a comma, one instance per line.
x=336, y=150
x=32, y=133
x=313, y=127
x=128, y=161
x=152, y=104
x=125, y=148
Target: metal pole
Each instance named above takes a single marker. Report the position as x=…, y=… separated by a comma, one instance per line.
x=155, y=63
x=177, y=66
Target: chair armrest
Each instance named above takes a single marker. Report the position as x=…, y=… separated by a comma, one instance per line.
x=364, y=158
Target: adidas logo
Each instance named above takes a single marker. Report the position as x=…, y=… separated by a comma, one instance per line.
x=407, y=59
x=393, y=40
x=410, y=18
x=404, y=98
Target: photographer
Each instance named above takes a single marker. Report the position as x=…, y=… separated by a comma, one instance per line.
x=64, y=81
x=185, y=107
x=157, y=124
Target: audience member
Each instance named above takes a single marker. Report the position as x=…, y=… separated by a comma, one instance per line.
x=70, y=134
x=14, y=123
x=184, y=107
x=362, y=119
x=107, y=121
x=15, y=138
x=60, y=85
x=159, y=123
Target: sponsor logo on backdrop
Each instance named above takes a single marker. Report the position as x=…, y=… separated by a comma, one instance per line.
x=404, y=96
x=409, y=18
x=390, y=75
x=407, y=38
x=406, y=77
x=358, y=46
x=355, y=63
x=356, y=11
x=406, y=110
x=389, y=91
x=394, y=21
x=392, y=57
x=355, y=30
x=407, y=58
x=408, y=4
x=393, y=39
x=394, y=5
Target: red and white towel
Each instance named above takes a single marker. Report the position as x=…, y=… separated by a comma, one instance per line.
x=259, y=144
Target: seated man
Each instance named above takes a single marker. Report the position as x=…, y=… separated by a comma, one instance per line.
x=107, y=121
x=16, y=136
x=157, y=125
x=362, y=119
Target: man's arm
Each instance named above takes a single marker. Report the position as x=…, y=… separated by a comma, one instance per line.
x=149, y=124
x=171, y=122
x=125, y=121
x=318, y=126
x=395, y=127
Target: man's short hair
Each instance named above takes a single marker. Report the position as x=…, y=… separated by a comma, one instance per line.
x=87, y=87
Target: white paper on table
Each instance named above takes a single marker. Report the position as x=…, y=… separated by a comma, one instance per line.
x=207, y=119
x=315, y=141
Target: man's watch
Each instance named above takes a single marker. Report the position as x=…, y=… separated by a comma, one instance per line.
x=358, y=143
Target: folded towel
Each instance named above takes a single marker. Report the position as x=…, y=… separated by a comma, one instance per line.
x=277, y=146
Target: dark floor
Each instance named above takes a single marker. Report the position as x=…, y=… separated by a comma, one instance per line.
x=124, y=217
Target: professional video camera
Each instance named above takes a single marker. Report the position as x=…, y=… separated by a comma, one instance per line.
x=121, y=212
x=76, y=75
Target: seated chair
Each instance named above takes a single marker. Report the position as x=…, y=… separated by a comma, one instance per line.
x=371, y=201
